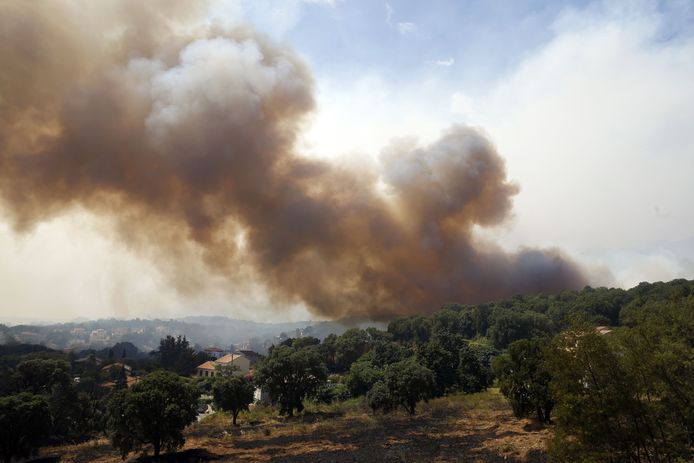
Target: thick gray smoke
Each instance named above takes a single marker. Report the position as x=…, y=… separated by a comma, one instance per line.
x=185, y=136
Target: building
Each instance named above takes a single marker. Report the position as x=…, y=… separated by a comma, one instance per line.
x=99, y=336
x=209, y=368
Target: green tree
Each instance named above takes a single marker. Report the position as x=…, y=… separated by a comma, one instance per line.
x=626, y=395
x=413, y=329
x=349, y=347
x=39, y=376
x=385, y=352
x=327, y=350
x=362, y=376
x=378, y=398
x=409, y=383
x=440, y=355
x=176, y=354
x=232, y=393
x=68, y=409
x=512, y=325
x=474, y=372
x=154, y=411
x=25, y=422
x=524, y=379
x=289, y=375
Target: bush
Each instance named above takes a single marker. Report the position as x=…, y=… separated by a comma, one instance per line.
x=331, y=392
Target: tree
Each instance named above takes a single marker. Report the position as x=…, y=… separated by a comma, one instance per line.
x=25, y=422
x=408, y=383
x=524, y=380
x=232, y=393
x=413, y=329
x=349, y=347
x=440, y=355
x=626, y=395
x=362, y=376
x=305, y=341
x=474, y=372
x=385, y=352
x=51, y=378
x=289, y=375
x=154, y=411
x=39, y=376
x=327, y=351
x=175, y=354
x=69, y=411
x=512, y=325
x=378, y=398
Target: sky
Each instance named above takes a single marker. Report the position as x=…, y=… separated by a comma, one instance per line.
x=591, y=104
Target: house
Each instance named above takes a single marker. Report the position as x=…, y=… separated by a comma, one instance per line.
x=209, y=368
x=99, y=336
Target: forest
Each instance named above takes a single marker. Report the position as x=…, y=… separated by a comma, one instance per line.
x=609, y=371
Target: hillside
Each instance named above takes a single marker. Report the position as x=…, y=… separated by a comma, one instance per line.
x=471, y=428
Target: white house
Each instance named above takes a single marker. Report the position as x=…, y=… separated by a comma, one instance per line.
x=209, y=368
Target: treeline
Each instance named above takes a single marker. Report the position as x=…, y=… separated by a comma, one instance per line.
x=612, y=370
x=50, y=397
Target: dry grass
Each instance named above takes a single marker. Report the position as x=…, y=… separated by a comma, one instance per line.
x=462, y=428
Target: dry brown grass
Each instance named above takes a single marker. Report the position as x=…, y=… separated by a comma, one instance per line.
x=463, y=428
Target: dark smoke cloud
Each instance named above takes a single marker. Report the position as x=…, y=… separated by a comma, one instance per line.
x=184, y=136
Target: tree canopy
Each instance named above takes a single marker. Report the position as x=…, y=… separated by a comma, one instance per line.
x=154, y=411
x=290, y=374
x=25, y=423
x=232, y=393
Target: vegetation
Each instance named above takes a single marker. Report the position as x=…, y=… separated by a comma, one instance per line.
x=177, y=355
x=25, y=422
x=409, y=383
x=154, y=411
x=608, y=371
x=290, y=374
x=524, y=379
x=627, y=396
x=233, y=394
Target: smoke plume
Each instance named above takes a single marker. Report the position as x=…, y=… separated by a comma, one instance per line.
x=183, y=134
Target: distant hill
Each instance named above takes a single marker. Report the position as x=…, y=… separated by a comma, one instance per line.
x=144, y=335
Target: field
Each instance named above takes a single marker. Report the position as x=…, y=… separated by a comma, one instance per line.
x=460, y=428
